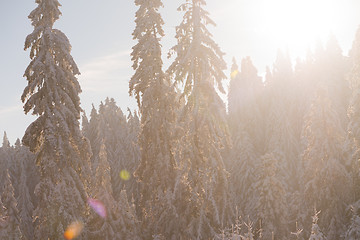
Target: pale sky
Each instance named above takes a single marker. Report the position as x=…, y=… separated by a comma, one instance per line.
x=100, y=34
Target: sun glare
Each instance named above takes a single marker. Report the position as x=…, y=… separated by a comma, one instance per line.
x=298, y=24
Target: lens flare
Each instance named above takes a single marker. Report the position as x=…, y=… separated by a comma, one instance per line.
x=234, y=74
x=98, y=207
x=124, y=175
x=73, y=230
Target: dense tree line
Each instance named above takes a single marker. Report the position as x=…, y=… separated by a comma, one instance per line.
x=281, y=162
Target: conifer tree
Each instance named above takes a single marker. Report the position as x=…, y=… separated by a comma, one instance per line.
x=113, y=129
x=156, y=98
x=132, y=149
x=334, y=76
x=353, y=228
x=280, y=135
x=25, y=161
x=271, y=207
x=5, y=143
x=245, y=127
x=84, y=123
x=3, y=232
x=128, y=223
x=326, y=181
x=5, y=160
x=25, y=204
x=199, y=67
x=353, y=128
x=62, y=152
x=12, y=217
x=316, y=233
x=93, y=133
x=353, y=138
x=109, y=227
x=244, y=100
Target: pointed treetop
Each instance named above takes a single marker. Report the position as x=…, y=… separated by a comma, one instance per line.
x=93, y=113
x=198, y=59
x=146, y=54
x=46, y=13
x=6, y=143
x=234, y=69
x=234, y=65
x=17, y=143
x=333, y=46
x=247, y=67
x=268, y=75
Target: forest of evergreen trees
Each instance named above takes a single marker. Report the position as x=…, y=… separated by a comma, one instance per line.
x=281, y=161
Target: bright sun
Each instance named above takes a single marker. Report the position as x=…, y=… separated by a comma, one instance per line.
x=298, y=24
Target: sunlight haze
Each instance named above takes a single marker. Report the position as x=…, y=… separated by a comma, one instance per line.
x=100, y=34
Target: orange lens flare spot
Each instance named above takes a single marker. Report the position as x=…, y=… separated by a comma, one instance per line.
x=73, y=230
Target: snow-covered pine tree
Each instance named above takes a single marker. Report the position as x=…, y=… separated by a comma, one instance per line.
x=128, y=218
x=244, y=100
x=326, y=181
x=353, y=128
x=334, y=73
x=156, y=98
x=93, y=133
x=233, y=100
x=280, y=112
x=114, y=128
x=271, y=207
x=110, y=227
x=353, y=228
x=132, y=151
x=199, y=66
x=25, y=205
x=84, y=123
x=12, y=218
x=279, y=129
x=132, y=148
x=245, y=127
x=353, y=138
x=25, y=159
x=5, y=143
x=3, y=229
x=5, y=159
x=62, y=152
x=242, y=164
x=316, y=233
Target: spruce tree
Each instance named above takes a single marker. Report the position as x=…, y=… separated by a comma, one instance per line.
x=316, y=233
x=353, y=136
x=25, y=161
x=5, y=160
x=5, y=143
x=110, y=226
x=25, y=204
x=93, y=134
x=353, y=228
x=246, y=131
x=271, y=206
x=280, y=134
x=199, y=66
x=326, y=180
x=156, y=98
x=12, y=218
x=113, y=129
x=62, y=152
x=353, y=128
x=334, y=76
